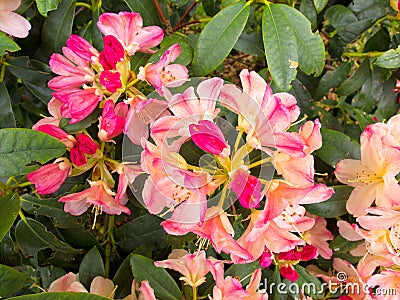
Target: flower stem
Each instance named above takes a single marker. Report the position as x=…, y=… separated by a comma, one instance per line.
x=362, y=54
x=83, y=4
x=194, y=289
x=110, y=242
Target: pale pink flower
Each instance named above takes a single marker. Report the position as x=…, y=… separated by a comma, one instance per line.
x=162, y=74
x=11, y=22
x=128, y=28
x=103, y=287
x=389, y=283
x=373, y=177
x=48, y=178
x=318, y=236
x=112, y=120
x=127, y=174
x=53, y=107
x=145, y=291
x=193, y=267
x=253, y=287
x=99, y=195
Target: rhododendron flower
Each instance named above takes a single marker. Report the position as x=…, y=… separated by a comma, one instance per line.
x=247, y=188
x=84, y=145
x=288, y=272
x=266, y=258
x=53, y=107
x=11, y=22
x=82, y=48
x=318, y=236
x=48, y=178
x=207, y=136
x=145, y=291
x=50, y=129
x=388, y=280
x=127, y=174
x=162, y=73
x=253, y=287
x=112, y=120
x=112, y=54
x=111, y=80
x=193, y=267
x=99, y=195
x=128, y=28
x=373, y=177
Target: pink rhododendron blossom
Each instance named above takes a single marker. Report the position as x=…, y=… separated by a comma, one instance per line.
x=288, y=272
x=111, y=80
x=247, y=188
x=207, y=136
x=112, y=120
x=50, y=129
x=319, y=236
x=84, y=145
x=127, y=174
x=112, y=54
x=48, y=178
x=388, y=280
x=82, y=48
x=162, y=73
x=128, y=28
x=373, y=177
x=53, y=107
x=145, y=291
x=11, y=22
x=266, y=258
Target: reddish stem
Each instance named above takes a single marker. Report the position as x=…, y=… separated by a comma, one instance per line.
x=178, y=25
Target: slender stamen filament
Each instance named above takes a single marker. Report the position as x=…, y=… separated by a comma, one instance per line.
x=98, y=210
x=367, y=177
x=260, y=162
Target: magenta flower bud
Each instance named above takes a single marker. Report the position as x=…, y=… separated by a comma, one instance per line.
x=111, y=80
x=247, y=188
x=308, y=252
x=112, y=54
x=207, y=136
x=288, y=272
x=289, y=255
x=112, y=121
x=265, y=259
x=84, y=145
x=81, y=47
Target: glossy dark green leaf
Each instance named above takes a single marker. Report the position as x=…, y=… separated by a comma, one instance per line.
x=85, y=123
x=9, y=253
x=60, y=296
x=337, y=146
x=9, y=207
x=146, y=9
x=139, y=60
x=57, y=27
x=340, y=244
x=180, y=3
x=11, y=280
x=164, y=286
x=363, y=119
x=186, y=55
x=380, y=41
x=144, y=230
x=123, y=278
x=320, y=5
x=310, y=284
x=390, y=59
x=44, y=6
x=50, y=208
x=211, y=7
x=91, y=266
x=388, y=104
x=370, y=9
x=355, y=82
x=368, y=96
x=20, y=147
x=340, y=16
x=307, y=8
x=7, y=44
x=333, y=207
x=250, y=43
x=332, y=79
x=97, y=36
x=218, y=37
x=7, y=118
x=33, y=236
x=304, y=99
x=310, y=47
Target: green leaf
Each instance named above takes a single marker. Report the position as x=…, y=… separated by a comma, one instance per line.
x=340, y=244
x=337, y=146
x=19, y=147
x=60, y=296
x=390, y=59
x=388, y=104
x=7, y=44
x=250, y=43
x=11, y=280
x=211, y=7
x=310, y=47
x=368, y=96
x=85, y=123
x=309, y=283
x=320, y=5
x=218, y=38
x=355, y=82
x=44, y=6
x=370, y=9
x=333, y=207
x=91, y=266
x=280, y=46
x=147, y=10
x=123, y=278
x=363, y=118
x=304, y=99
x=57, y=27
x=50, y=208
x=144, y=230
x=332, y=79
x=308, y=10
x=186, y=55
x=380, y=41
x=9, y=207
x=7, y=118
x=33, y=236
x=164, y=286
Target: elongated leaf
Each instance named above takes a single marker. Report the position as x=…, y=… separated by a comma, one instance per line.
x=123, y=278
x=7, y=44
x=310, y=284
x=211, y=7
x=332, y=79
x=7, y=118
x=91, y=266
x=280, y=46
x=218, y=38
x=147, y=10
x=164, y=286
x=251, y=43
x=337, y=146
x=44, y=6
x=19, y=147
x=11, y=280
x=320, y=5
x=355, y=82
x=9, y=207
x=308, y=10
x=60, y=296
x=370, y=9
x=390, y=59
x=310, y=47
x=388, y=104
x=33, y=236
x=50, y=208
x=58, y=27
x=335, y=206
